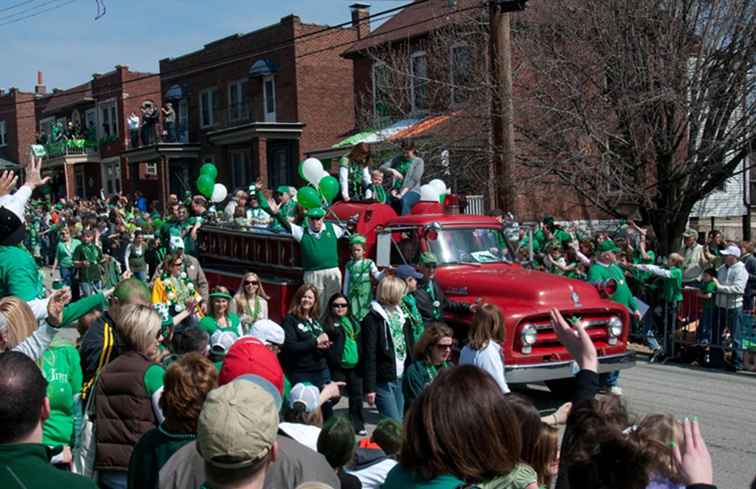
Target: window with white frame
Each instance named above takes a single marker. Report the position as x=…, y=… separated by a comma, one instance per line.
x=3, y=134
x=238, y=107
x=269, y=98
x=460, y=72
x=150, y=169
x=240, y=168
x=419, y=88
x=108, y=114
x=381, y=87
x=111, y=173
x=208, y=107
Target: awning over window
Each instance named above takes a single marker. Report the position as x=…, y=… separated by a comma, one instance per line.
x=174, y=92
x=262, y=67
x=403, y=129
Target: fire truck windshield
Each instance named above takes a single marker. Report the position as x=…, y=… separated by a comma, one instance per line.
x=469, y=245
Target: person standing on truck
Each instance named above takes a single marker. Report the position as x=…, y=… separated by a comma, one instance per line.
x=407, y=170
x=430, y=297
x=354, y=172
x=358, y=286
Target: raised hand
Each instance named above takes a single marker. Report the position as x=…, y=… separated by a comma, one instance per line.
x=33, y=173
x=576, y=340
x=693, y=459
x=8, y=181
x=55, y=306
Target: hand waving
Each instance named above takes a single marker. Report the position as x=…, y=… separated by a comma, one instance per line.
x=33, y=173
x=694, y=460
x=8, y=181
x=55, y=306
x=576, y=340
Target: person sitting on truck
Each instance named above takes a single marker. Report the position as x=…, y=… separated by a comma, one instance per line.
x=375, y=190
x=219, y=317
x=358, y=285
x=354, y=175
x=432, y=354
x=250, y=301
x=484, y=344
x=407, y=170
x=431, y=300
x=287, y=208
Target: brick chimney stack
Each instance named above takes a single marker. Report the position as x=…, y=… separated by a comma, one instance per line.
x=360, y=22
x=40, y=88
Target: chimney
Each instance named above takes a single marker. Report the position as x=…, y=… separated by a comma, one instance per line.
x=40, y=88
x=360, y=21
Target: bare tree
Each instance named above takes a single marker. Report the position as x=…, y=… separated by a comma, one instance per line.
x=640, y=107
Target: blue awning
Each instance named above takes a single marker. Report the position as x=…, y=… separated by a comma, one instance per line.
x=174, y=92
x=262, y=67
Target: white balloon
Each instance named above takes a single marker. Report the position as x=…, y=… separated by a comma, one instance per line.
x=429, y=193
x=312, y=170
x=219, y=193
x=439, y=185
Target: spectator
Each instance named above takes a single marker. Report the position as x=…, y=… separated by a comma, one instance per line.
x=384, y=348
x=354, y=172
x=88, y=259
x=133, y=122
x=19, y=329
x=127, y=394
x=407, y=170
x=250, y=302
x=186, y=384
x=415, y=323
x=431, y=299
x=24, y=407
x=64, y=256
x=443, y=447
x=336, y=443
x=302, y=415
x=749, y=260
x=134, y=258
x=431, y=355
x=694, y=261
x=169, y=122
x=708, y=293
x=343, y=330
x=731, y=282
x=374, y=459
x=218, y=317
x=484, y=347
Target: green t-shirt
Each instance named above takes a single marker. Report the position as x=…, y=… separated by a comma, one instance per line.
x=710, y=288
x=417, y=376
x=19, y=275
x=210, y=324
x=400, y=478
x=601, y=273
x=643, y=277
x=64, y=253
x=61, y=367
x=672, y=291
x=91, y=254
x=153, y=378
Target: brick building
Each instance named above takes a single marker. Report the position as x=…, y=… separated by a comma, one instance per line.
x=254, y=103
x=17, y=126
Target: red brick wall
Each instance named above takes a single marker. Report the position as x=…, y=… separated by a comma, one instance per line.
x=17, y=110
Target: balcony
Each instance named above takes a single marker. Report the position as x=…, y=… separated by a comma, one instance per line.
x=232, y=116
x=71, y=152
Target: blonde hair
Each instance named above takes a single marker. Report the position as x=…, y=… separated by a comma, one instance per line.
x=241, y=295
x=675, y=259
x=139, y=325
x=390, y=290
x=21, y=321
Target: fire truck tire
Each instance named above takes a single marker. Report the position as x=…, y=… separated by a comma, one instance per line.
x=562, y=388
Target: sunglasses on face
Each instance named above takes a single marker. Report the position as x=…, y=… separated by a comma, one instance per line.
x=442, y=346
x=339, y=305
x=178, y=264
x=252, y=282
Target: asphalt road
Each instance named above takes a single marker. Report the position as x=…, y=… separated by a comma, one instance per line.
x=724, y=402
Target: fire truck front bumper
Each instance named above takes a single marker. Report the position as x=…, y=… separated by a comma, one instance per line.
x=539, y=372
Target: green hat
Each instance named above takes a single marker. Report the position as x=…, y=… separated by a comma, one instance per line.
x=220, y=295
x=316, y=213
x=282, y=189
x=426, y=257
x=357, y=239
x=608, y=245
x=548, y=220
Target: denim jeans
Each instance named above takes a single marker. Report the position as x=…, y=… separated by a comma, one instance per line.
x=90, y=288
x=318, y=378
x=703, y=333
x=408, y=201
x=665, y=324
x=114, y=479
x=141, y=276
x=67, y=275
x=609, y=379
x=390, y=400
x=728, y=319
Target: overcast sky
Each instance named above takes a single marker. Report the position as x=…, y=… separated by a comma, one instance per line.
x=68, y=45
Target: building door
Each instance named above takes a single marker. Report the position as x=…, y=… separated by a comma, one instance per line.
x=80, y=182
x=180, y=177
x=282, y=164
x=111, y=177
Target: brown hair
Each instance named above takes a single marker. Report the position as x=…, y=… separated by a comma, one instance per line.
x=186, y=384
x=434, y=331
x=21, y=321
x=539, y=440
x=656, y=433
x=444, y=425
x=211, y=306
x=295, y=308
x=360, y=152
x=487, y=325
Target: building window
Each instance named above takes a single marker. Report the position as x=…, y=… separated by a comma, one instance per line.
x=269, y=96
x=150, y=169
x=460, y=61
x=108, y=112
x=112, y=176
x=381, y=87
x=208, y=107
x=238, y=108
x=419, y=89
x=240, y=168
x=3, y=134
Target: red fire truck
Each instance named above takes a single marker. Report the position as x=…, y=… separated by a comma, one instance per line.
x=473, y=263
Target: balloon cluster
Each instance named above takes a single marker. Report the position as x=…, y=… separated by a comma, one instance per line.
x=215, y=192
x=434, y=191
x=324, y=187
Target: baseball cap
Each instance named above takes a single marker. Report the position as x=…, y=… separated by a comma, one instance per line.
x=307, y=394
x=608, y=245
x=316, y=213
x=731, y=250
x=176, y=243
x=405, y=271
x=221, y=341
x=250, y=356
x=282, y=189
x=427, y=257
x=238, y=425
x=268, y=331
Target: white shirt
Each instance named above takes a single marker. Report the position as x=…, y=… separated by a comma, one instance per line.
x=305, y=434
x=732, y=284
x=489, y=359
x=374, y=476
x=344, y=180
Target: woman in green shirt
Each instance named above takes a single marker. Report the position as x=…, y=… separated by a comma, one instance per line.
x=64, y=256
x=432, y=353
x=219, y=316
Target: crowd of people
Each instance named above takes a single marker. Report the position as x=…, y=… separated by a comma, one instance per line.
x=129, y=371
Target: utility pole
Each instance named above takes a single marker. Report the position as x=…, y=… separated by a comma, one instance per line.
x=502, y=112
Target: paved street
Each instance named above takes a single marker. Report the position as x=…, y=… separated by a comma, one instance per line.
x=724, y=402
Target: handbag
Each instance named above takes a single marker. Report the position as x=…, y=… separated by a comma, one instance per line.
x=83, y=456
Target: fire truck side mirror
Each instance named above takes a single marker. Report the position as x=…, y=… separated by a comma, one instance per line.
x=383, y=250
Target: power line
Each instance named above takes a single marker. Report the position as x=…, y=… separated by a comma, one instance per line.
x=38, y=12
x=282, y=45
x=19, y=4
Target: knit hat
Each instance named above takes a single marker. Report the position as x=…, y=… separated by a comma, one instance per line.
x=238, y=425
x=426, y=257
x=268, y=331
x=316, y=213
x=307, y=394
x=250, y=356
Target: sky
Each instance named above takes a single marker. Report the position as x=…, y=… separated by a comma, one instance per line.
x=68, y=45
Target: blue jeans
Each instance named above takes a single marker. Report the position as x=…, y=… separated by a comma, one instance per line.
x=141, y=276
x=319, y=378
x=703, y=333
x=728, y=319
x=610, y=379
x=90, y=288
x=114, y=479
x=390, y=400
x=408, y=201
x=67, y=275
x=664, y=324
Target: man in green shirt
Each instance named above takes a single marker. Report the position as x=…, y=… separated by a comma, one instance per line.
x=24, y=407
x=87, y=258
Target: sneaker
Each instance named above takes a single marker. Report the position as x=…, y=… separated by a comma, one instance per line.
x=362, y=432
x=615, y=390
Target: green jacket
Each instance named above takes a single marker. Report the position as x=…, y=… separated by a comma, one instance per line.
x=27, y=466
x=152, y=452
x=19, y=275
x=401, y=478
x=418, y=375
x=61, y=366
x=209, y=324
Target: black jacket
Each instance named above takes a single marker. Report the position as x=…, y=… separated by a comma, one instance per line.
x=336, y=334
x=425, y=302
x=100, y=345
x=377, y=354
x=300, y=351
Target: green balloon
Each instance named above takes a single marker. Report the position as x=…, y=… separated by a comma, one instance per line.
x=205, y=185
x=308, y=197
x=210, y=170
x=329, y=187
x=301, y=175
